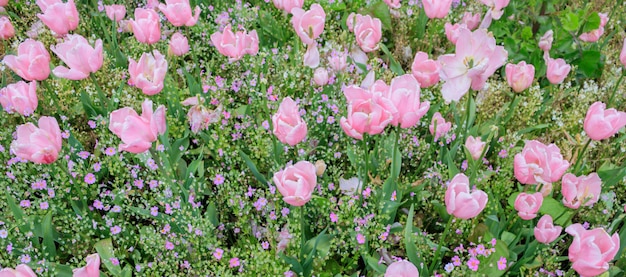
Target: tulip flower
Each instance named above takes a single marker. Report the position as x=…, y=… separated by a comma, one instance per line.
x=149, y=72
x=475, y=147
x=309, y=25
x=425, y=71
x=368, y=32
x=527, y=205
x=338, y=60
x=594, y=35
x=580, y=191
x=146, y=26
x=19, y=97
x=19, y=271
x=178, y=12
x=81, y=58
x=6, y=28
x=288, y=126
x=312, y=56
x=234, y=46
x=545, y=43
x=402, y=269
x=546, y=232
x=601, y=123
x=368, y=111
x=394, y=4
x=520, y=76
x=557, y=70
x=538, y=163
x=38, y=144
x=179, y=45
x=32, y=61
x=496, y=7
x=115, y=12
x=462, y=203
x=320, y=76
x=437, y=8
x=92, y=269
x=296, y=183
x=438, y=126
x=199, y=116
x=58, y=16
x=138, y=132
x=471, y=20
x=288, y=5
x=404, y=93
x=592, y=250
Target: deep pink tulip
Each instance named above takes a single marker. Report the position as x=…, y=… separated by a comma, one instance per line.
x=4, y=3
x=438, y=126
x=527, y=205
x=32, y=61
x=496, y=7
x=557, y=70
x=146, y=26
x=19, y=271
x=115, y=12
x=368, y=111
x=312, y=56
x=452, y=31
x=296, y=183
x=437, y=8
x=287, y=5
x=592, y=250
x=462, y=203
x=178, y=12
x=538, y=163
x=138, y=132
x=6, y=28
x=309, y=25
x=475, y=146
x=601, y=123
x=471, y=20
x=38, y=144
x=234, y=46
x=368, y=32
x=520, y=76
x=288, y=126
x=394, y=4
x=60, y=17
x=402, y=269
x=622, y=55
x=404, y=93
x=545, y=43
x=81, y=58
x=582, y=190
x=320, y=76
x=546, y=232
x=425, y=71
x=92, y=269
x=149, y=72
x=179, y=45
x=19, y=97
x=476, y=58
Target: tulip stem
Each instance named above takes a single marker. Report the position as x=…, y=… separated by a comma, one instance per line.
x=395, y=174
x=580, y=157
x=435, y=261
x=302, y=233
x=609, y=103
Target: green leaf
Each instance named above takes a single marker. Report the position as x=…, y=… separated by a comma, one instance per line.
x=105, y=250
x=592, y=23
x=610, y=174
x=88, y=105
x=452, y=169
x=373, y=264
x=490, y=267
x=380, y=10
x=570, y=22
x=295, y=265
x=211, y=213
x=409, y=245
x=527, y=33
x=393, y=64
x=253, y=168
x=590, y=63
x=48, y=236
x=555, y=209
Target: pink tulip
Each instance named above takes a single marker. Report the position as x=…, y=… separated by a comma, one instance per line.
x=234, y=46
x=402, y=269
x=437, y=8
x=527, y=205
x=545, y=43
x=546, y=232
x=58, y=16
x=594, y=35
x=582, y=190
x=149, y=73
x=557, y=70
x=404, y=93
x=146, y=26
x=320, y=76
x=6, y=28
x=338, y=60
x=178, y=12
x=19, y=271
x=475, y=147
x=199, y=116
x=425, y=71
x=296, y=183
x=622, y=55
x=115, y=12
x=350, y=21
x=312, y=56
x=358, y=57
x=601, y=123
x=520, y=76
x=38, y=145
x=368, y=32
x=288, y=126
x=138, y=132
x=4, y=3
x=477, y=57
x=369, y=80
x=496, y=7
x=309, y=25
x=32, y=61
x=19, y=97
x=462, y=203
x=438, y=126
x=368, y=111
x=452, y=31
x=179, y=45
x=471, y=20
x=81, y=58
x=592, y=250
x=92, y=269
x=539, y=163
x=287, y=5
x=394, y=4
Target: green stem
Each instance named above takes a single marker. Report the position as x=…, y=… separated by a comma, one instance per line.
x=101, y=96
x=395, y=174
x=610, y=102
x=580, y=157
x=435, y=261
x=303, y=234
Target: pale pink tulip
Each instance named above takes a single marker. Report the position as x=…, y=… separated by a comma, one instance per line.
x=538, y=163
x=582, y=190
x=287, y=5
x=149, y=73
x=545, y=43
x=58, y=16
x=92, y=269
x=19, y=271
x=320, y=76
x=138, y=132
x=462, y=203
x=32, y=61
x=368, y=32
x=77, y=54
x=19, y=97
x=622, y=55
x=199, y=116
x=312, y=56
x=475, y=146
x=520, y=76
x=358, y=57
x=425, y=71
x=234, y=46
x=179, y=45
x=527, y=205
x=6, y=28
x=477, y=57
x=557, y=70
x=338, y=60
x=546, y=232
x=594, y=35
x=368, y=112
x=115, y=12
x=452, y=31
x=288, y=126
x=146, y=26
x=309, y=25
x=601, y=123
x=38, y=144
x=438, y=126
x=369, y=80
x=178, y=12
x=394, y=4
x=350, y=21
x=496, y=7
x=296, y=183
x=437, y=8
x=404, y=93
x=402, y=269
x=471, y=20
x=592, y=250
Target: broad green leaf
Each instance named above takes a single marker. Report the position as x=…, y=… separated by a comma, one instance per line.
x=105, y=250
x=373, y=264
x=380, y=10
x=592, y=22
x=48, y=236
x=253, y=168
x=570, y=22
x=610, y=174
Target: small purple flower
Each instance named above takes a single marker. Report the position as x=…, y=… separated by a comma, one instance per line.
x=218, y=180
x=116, y=230
x=234, y=262
x=90, y=178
